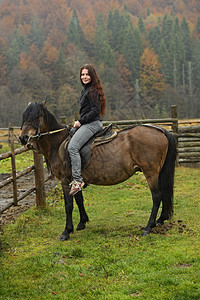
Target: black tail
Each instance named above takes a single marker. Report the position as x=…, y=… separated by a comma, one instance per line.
x=166, y=179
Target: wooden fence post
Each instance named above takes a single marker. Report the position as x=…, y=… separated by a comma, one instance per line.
x=39, y=180
x=175, y=122
x=11, y=134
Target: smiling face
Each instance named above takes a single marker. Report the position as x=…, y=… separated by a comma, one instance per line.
x=85, y=77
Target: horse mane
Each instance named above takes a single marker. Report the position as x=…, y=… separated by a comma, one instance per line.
x=33, y=112
x=50, y=120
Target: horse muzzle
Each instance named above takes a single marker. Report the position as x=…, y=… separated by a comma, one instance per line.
x=25, y=140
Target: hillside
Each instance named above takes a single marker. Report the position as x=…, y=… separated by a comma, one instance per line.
x=147, y=54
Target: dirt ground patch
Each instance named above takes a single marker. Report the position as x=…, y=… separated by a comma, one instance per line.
x=24, y=183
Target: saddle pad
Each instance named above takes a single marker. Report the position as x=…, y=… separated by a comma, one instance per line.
x=105, y=138
x=86, y=149
x=62, y=150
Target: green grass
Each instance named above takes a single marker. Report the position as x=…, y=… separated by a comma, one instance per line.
x=109, y=259
x=22, y=161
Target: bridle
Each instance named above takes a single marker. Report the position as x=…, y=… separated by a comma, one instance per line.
x=41, y=134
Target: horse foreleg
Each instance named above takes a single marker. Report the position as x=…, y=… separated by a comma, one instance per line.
x=68, y=210
x=156, y=196
x=83, y=215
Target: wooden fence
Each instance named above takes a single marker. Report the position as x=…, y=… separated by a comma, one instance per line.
x=187, y=139
x=189, y=146
x=39, y=187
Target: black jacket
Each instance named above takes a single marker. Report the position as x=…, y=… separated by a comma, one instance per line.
x=90, y=105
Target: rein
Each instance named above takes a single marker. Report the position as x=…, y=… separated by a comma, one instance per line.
x=39, y=134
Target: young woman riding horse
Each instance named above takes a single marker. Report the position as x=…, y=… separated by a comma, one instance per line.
x=145, y=148
x=92, y=106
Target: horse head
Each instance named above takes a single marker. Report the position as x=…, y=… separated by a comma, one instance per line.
x=32, y=122
x=37, y=122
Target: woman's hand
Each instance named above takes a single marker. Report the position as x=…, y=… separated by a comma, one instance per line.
x=77, y=124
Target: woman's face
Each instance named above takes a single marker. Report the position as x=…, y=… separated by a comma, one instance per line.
x=85, y=77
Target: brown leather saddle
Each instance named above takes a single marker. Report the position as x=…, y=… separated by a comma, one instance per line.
x=106, y=135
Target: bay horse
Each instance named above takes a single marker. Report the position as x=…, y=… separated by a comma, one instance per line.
x=149, y=149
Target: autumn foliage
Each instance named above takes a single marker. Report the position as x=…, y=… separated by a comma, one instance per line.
x=142, y=50
x=151, y=77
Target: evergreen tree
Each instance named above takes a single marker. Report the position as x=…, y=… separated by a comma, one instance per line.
x=116, y=30
x=36, y=35
x=155, y=37
x=176, y=60
x=138, y=50
x=174, y=11
x=196, y=78
x=128, y=50
x=75, y=33
x=133, y=49
x=103, y=51
x=198, y=25
x=3, y=66
x=18, y=45
x=196, y=66
x=110, y=22
x=126, y=41
x=164, y=60
x=187, y=42
x=141, y=25
x=167, y=30
x=116, y=25
x=59, y=72
x=176, y=27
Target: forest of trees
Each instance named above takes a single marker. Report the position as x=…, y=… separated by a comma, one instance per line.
x=147, y=55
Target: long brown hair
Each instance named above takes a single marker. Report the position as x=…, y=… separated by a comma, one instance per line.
x=96, y=85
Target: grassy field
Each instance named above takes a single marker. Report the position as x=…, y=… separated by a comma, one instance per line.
x=109, y=259
x=22, y=161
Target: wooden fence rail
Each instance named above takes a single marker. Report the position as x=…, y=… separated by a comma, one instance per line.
x=17, y=151
x=9, y=131
x=18, y=175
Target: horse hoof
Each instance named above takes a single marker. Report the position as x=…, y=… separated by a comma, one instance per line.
x=64, y=237
x=80, y=226
x=159, y=222
x=70, y=230
x=145, y=232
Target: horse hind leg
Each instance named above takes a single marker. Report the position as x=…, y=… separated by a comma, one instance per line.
x=163, y=192
x=153, y=183
x=163, y=216
x=167, y=209
x=156, y=196
x=166, y=180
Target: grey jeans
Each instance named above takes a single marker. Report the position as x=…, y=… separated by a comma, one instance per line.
x=81, y=136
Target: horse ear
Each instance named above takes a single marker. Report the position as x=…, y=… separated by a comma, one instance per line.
x=44, y=102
